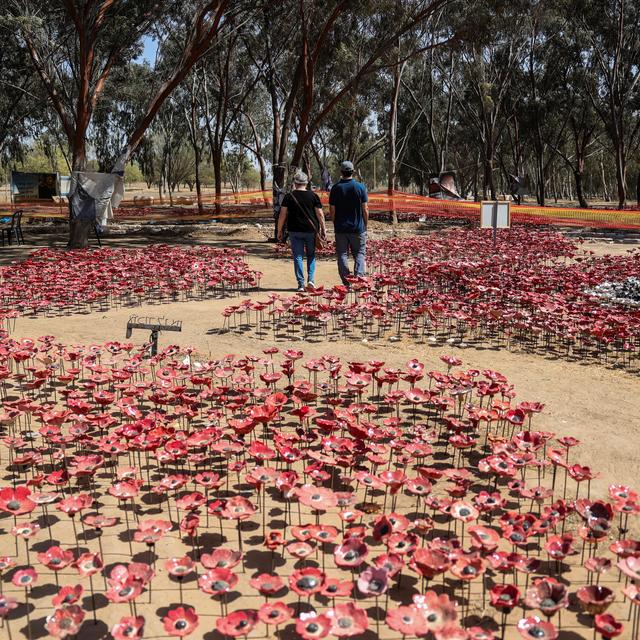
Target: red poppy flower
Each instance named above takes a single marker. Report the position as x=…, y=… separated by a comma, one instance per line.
x=191, y=501
x=402, y=543
x=607, y=625
x=392, y=563
x=6, y=562
x=99, y=521
x=151, y=531
x=630, y=566
x=373, y=581
x=129, y=628
x=179, y=567
x=25, y=531
x=267, y=584
x=74, y=504
x=559, y=547
x=548, y=595
x=89, y=564
x=438, y=611
x=273, y=540
x=55, y=558
x=275, y=613
x=221, y=558
x=625, y=548
x=633, y=593
x=7, y=605
x=300, y=549
x=407, y=620
x=484, y=538
x=533, y=627
x=598, y=565
x=217, y=581
x=307, y=581
x=464, y=512
x=303, y=532
x=68, y=595
x=181, y=621
x=237, y=508
x=467, y=568
x=323, y=532
x=351, y=553
x=317, y=498
x=595, y=599
x=504, y=596
x=311, y=626
x=65, y=621
x=393, y=479
x=125, y=490
x=189, y=524
x=334, y=588
x=16, y=501
x=238, y=623
x=347, y=620
x=429, y=563
x=124, y=591
x=209, y=480
x=24, y=577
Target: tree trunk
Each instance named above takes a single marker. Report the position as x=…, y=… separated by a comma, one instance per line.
x=476, y=171
x=197, y=179
x=216, y=158
x=277, y=186
x=392, y=160
x=488, y=187
x=193, y=130
x=621, y=175
x=605, y=189
x=79, y=229
x=541, y=191
x=579, y=177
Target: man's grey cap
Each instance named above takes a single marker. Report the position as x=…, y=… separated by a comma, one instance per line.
x=300, y=177
x=346, y=166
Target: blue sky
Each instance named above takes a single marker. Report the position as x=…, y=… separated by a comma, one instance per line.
x=149, y=51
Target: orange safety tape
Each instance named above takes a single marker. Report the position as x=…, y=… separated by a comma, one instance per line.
x=403, y=203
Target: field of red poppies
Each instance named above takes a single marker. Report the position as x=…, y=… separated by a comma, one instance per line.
x=286, y=495
x=280, y=492
x=65, y=282
x=532, y=290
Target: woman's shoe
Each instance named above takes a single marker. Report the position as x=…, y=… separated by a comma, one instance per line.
x=301, y=289
x=311, y=285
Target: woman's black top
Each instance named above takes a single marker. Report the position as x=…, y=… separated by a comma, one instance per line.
x=307, y=201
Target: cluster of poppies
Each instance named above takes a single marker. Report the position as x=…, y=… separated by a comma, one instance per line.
x=332, y=497
x=56, y=282
x=532, y=289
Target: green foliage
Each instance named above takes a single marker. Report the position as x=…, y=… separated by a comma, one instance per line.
x=517, y=88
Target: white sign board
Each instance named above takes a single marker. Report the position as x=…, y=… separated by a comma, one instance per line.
x=495, y=215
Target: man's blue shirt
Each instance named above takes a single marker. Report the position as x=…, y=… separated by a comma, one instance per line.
x=347, y=196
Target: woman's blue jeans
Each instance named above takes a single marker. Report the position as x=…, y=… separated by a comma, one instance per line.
x=301, y=240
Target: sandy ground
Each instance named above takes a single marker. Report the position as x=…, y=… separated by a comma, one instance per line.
x=591, y=402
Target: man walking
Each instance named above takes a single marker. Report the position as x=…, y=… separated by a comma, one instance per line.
x=350, y=212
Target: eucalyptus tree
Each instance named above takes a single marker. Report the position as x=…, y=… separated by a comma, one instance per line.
x=610, y=32
x=75, y=46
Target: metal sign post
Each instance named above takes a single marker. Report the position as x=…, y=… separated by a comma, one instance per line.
x=155, y=325
x=495, y=215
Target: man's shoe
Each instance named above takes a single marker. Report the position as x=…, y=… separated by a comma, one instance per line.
x=301, y=289
x=311, y=285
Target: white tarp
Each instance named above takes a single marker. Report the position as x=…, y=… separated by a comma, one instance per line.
x=94, y=195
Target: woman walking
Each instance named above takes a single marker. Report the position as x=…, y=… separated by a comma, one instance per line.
x=302, y=211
